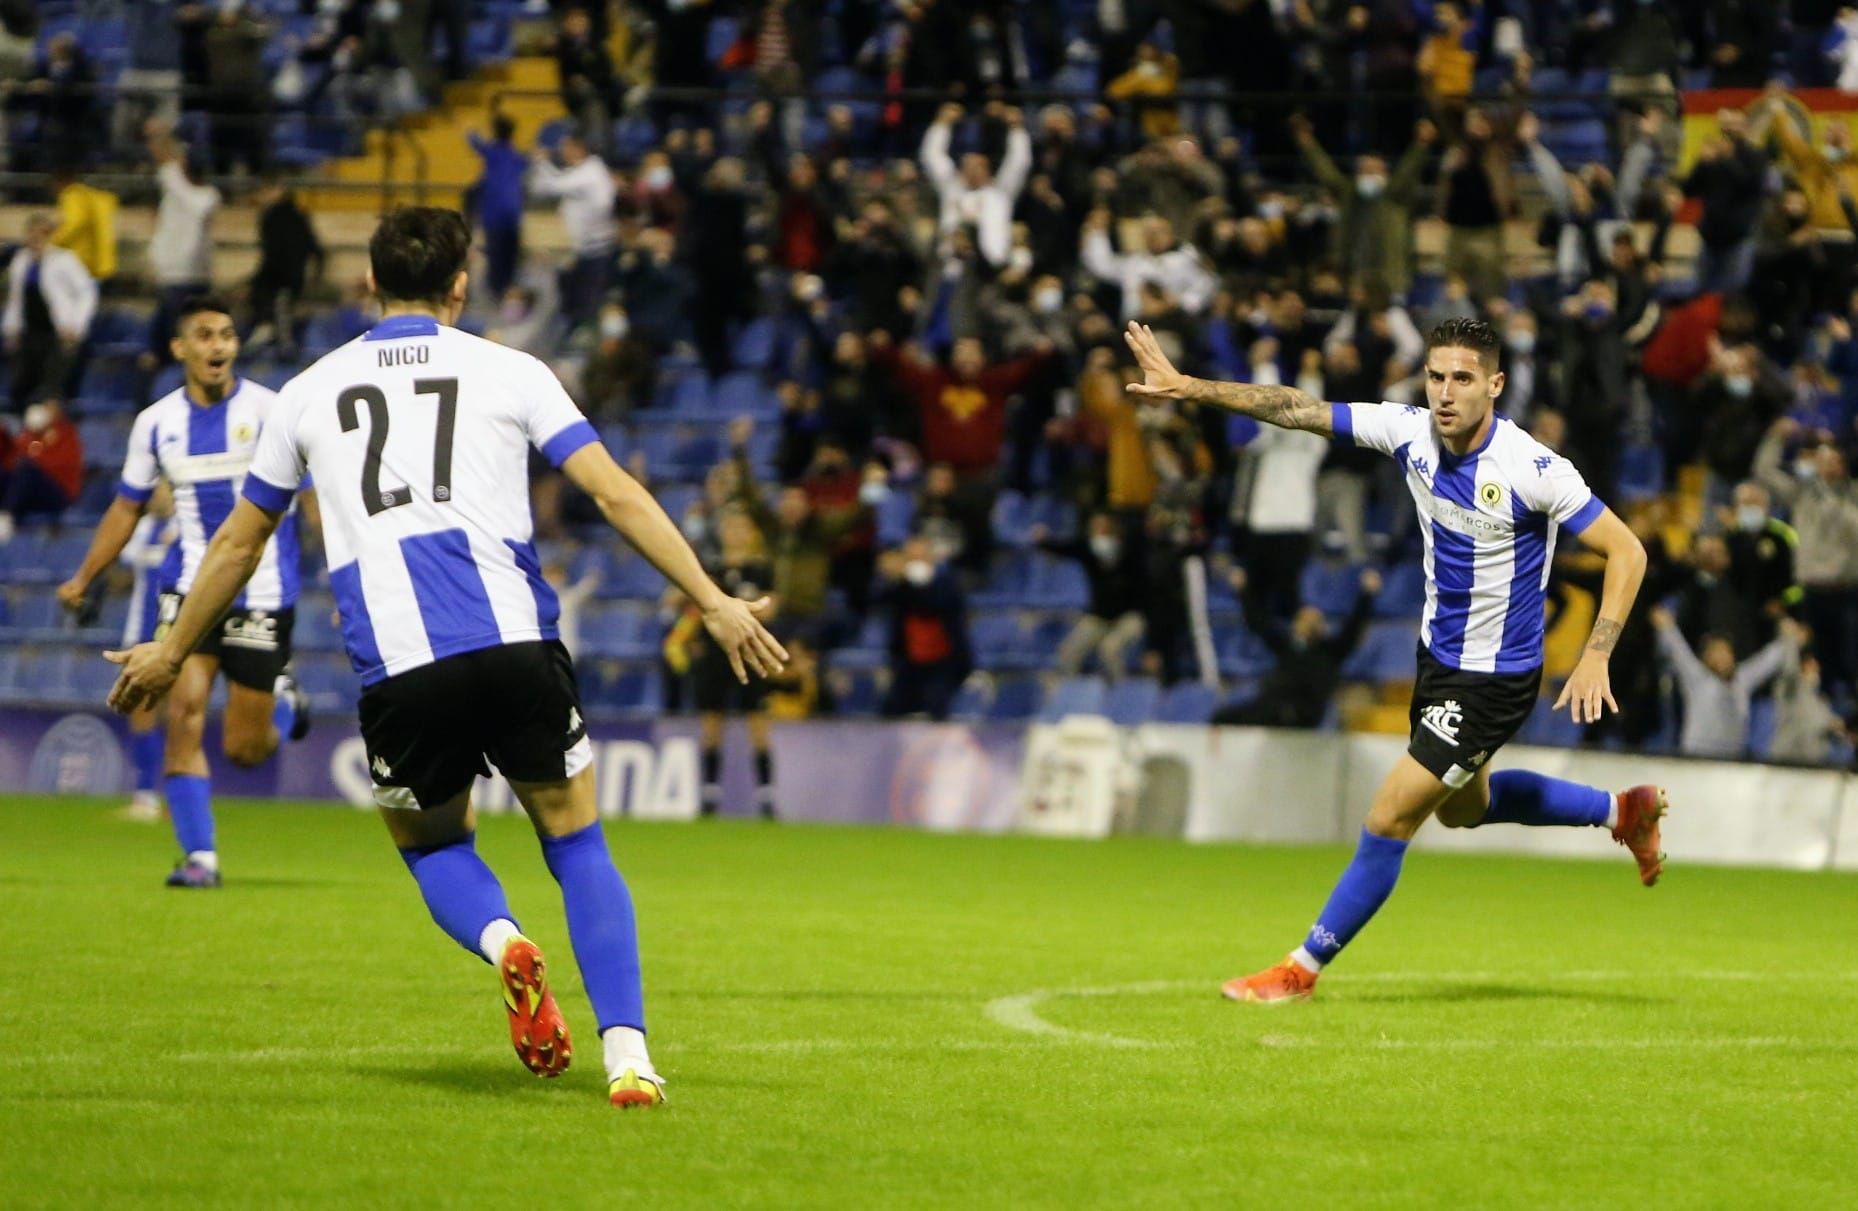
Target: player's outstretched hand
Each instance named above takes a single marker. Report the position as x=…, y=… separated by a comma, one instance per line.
x=146, y=678
x=736, y=627
x=1159, y=377
x=1587, y=689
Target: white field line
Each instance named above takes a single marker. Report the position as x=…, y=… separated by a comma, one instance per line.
x=1020, y=1012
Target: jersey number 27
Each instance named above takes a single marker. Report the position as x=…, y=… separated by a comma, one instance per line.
x=372, y=495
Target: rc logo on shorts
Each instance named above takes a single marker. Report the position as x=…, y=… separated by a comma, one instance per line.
x=258, y=630
x=1442, y=720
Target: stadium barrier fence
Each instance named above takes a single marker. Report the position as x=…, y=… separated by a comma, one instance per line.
x=1077, y=778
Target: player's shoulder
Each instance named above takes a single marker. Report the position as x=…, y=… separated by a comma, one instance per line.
x=1513, y=447
x=252, y=393
x=510, y=362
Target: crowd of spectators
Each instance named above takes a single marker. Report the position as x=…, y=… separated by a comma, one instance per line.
x=1285, y=193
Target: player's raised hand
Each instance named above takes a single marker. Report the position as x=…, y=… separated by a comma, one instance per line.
x=1587, y=689
x=736, y=627
x=1159, y=377
x=146, y=678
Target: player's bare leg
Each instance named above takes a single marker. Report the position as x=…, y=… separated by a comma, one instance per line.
x=466, y=901
x=190, y=800
x=146, y=746
x=602, y=927
x=1407, y=796
x=250, y=734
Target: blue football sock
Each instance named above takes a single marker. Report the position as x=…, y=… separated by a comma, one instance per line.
x=460, y=891
x=1520, y=797
x=283, y=714
x=145, y=752
x=600, y=924
x=1358, y=895
x=190, y=806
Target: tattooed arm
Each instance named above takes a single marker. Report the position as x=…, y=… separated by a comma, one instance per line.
x=1588, y=687
x=1285, y=407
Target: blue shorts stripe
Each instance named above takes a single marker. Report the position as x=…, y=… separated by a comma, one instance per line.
x=364, y=653
x=450, y=592
x=547, y=605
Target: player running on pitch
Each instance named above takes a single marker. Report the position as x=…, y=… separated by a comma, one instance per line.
x=200, y=438
x=1489, y=497
x=418, y=438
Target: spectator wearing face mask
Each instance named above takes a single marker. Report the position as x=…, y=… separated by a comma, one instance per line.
x=975, y=195
x=1727, y=178
x=1373, y=238
x=1735, y=403
x=1761, y=554
x=929, y=652
x=1710, y=599
x=1716, y=688
x=1112, y=623
x=1520, y=368
x=41, y=468
x=621, y=373
x=1309, y=651
x=1822, y=502
x=1274, y=502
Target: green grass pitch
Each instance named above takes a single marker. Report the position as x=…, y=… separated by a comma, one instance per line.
x=877, y=1018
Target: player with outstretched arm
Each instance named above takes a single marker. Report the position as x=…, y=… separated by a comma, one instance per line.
x=1490, y=498
x=418, y=437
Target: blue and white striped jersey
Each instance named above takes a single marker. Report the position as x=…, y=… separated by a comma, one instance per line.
x=204, y=452
x=1488, y=518
x=418, y=438
x=155, y=556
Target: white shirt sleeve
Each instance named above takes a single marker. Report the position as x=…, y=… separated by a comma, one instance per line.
x=1383, y=427
x=277, y=469
x=1549, y=484
x=141, y=470
x=549, y=417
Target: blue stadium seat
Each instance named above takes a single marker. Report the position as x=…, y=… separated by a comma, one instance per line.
x=1014, y=699
x=1186, y=702
x=683, y=393
x=1075, y=696
x=1242, y=654
x=636, y=578
x=315, y=628
x=972, y=702
x=1010, y=584
x=1330, y=585
x=742, y=393
x=1012, y=519
x=1133, y=701
x=1058, y=583
x=1403, y=591
x=869, y=648
x=1385, y=654
x=753, y=348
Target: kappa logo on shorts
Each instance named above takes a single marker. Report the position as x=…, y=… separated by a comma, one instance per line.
x=382, y=770
x=1476, y=759
x=575, y=726
x=1442, y=720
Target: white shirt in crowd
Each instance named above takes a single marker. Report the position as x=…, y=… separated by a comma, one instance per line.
x=181, y=251
x=70, y=292
x=1178, y=271
x=586, y=194
x=989, y=209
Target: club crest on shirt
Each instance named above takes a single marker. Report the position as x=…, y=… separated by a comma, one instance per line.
x=242, y=433
x=1491, y=494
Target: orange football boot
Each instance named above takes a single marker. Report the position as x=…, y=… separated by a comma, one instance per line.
x=1637, y=830
x=1287, y=981
x=537, y=1029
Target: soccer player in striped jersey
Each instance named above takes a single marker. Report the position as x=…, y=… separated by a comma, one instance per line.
x=1490, y=498
x=418, y=437
x=200, y=438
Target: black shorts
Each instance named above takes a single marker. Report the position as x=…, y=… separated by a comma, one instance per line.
x=252, y=646
x=429, y=731
x=714, y=688
x=1459, y=720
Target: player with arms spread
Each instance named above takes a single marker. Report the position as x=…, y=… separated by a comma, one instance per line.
x=1489, y=498
x=418, y=438
x=200, y=438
